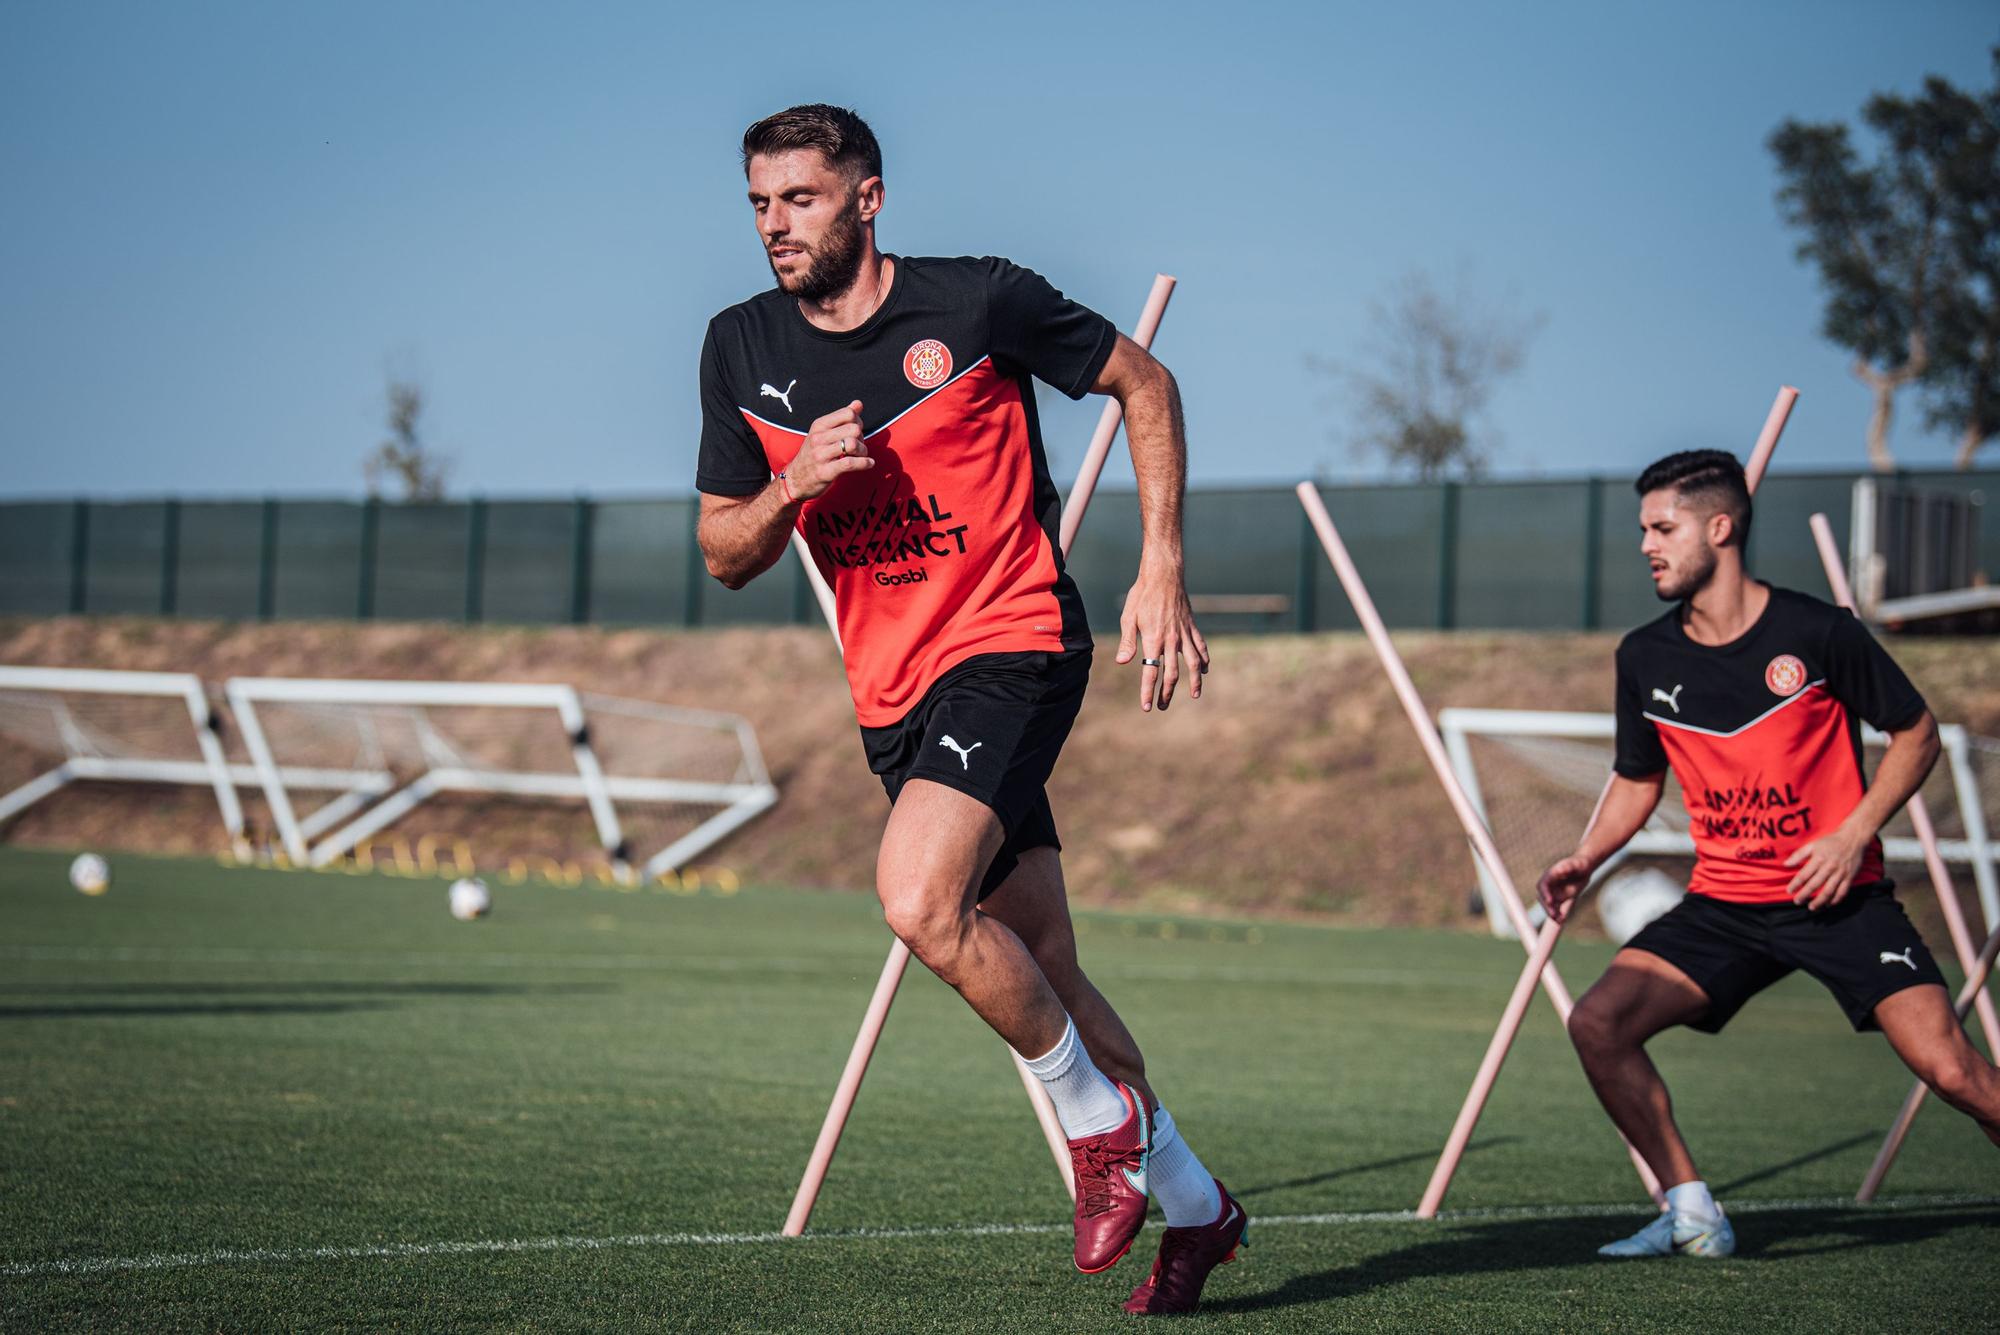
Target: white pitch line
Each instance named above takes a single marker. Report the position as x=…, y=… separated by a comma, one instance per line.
x=1331, y=976
x=418, y=1250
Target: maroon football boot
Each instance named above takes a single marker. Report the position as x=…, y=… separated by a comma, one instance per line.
x=1111, y=1186
x=1186, y=1256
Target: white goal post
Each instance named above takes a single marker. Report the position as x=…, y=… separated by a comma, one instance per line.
x=130, y=727
x=1571, y=752
x=382, y=748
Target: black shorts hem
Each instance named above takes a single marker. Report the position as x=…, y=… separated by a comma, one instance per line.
x=961, y=784
x=1861, y=1014
x=1711, y=1020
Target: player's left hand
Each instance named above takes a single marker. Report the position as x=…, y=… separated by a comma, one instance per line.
x=1158, y=625
x=1826, y=869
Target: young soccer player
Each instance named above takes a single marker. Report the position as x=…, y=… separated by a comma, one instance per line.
x=1754, y=696
x=882, y=406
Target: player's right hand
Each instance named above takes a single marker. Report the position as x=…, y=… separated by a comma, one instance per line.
x=1561, y=884
x=833, y=446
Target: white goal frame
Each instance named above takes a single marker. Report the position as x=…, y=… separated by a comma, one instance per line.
x=364, y=804
x=84, y=760
x=1660, y=839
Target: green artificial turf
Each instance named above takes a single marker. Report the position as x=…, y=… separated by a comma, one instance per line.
x=244, y=1099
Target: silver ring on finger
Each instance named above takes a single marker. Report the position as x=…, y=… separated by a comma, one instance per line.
x=1149, y=662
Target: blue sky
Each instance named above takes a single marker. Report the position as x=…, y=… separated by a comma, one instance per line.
x=225, y=223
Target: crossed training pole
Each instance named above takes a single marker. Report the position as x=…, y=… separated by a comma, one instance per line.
x=899, y=954
x=1976, y=964
x=1540, y=947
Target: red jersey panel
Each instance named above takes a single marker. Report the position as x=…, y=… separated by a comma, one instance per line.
x=1762, y=733
x=946, y=549
x=934, y=554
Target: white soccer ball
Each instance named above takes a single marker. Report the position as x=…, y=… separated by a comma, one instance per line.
x=90, y=873
x=469, y=899
x=1632, y=899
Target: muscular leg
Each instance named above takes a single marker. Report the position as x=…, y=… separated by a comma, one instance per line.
x=1033, y=903
x=1638, y=996
x=934, y=853
x=1921, y=1026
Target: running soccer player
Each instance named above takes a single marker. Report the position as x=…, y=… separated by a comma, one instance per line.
x=881, y=406
x=1754, y=696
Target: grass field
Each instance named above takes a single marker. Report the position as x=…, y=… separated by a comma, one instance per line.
x=240, y=1099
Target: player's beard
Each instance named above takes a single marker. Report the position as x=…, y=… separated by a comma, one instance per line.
x=835, y=260
x=1700, y=571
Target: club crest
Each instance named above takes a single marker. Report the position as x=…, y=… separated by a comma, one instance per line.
x=1785, y=675
x=927, y=364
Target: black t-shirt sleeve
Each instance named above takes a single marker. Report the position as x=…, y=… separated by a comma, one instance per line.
x=1058, y=341
x=732, y=463
x=1639, y=752
x=1862, y=676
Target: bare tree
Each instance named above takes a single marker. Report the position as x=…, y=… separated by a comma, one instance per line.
x=1427, y=372
x=405, y=458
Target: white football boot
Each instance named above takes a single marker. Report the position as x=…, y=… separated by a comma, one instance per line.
x=1677, y=1235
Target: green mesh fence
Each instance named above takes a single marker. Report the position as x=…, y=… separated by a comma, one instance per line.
x=1558, y=555
x=526, y=565
x=642, y=559
x=124, y=557
x=1393, y=534
x=36, y=557
x=219, y=570
x=420, y=563
x=316, y=559
x=1105, y=557
x=1512, y=574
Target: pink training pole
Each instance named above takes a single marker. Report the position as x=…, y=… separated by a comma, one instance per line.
x=1475, y=830
x=1975, y=986
x=1107, y=421
x=1767, y=439
x=1947, y=894
x=1920, y=812
x=1503, y=1038
x=899, y=954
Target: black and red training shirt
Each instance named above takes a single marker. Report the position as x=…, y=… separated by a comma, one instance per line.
x=947, y=547
x=1763, y=733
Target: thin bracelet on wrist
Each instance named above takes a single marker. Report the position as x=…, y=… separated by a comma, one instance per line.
x=786, y=482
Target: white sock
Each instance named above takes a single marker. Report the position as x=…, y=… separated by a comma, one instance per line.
x=1087, y=1104
x=1184, y=1189
x=1693, y=1199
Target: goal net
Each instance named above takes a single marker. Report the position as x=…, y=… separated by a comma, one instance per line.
x=63, y=725
x=1535, y=777
x=650, y=786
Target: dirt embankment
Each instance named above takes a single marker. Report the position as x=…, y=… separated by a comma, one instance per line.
x=1294, y=787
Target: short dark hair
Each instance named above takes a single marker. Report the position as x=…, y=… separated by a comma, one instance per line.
x=1712, y=479
x=839, y=134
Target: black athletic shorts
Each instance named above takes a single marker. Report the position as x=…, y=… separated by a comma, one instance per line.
x=1862, y=949
x=992, y=728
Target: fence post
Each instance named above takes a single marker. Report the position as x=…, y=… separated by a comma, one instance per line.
x=1593, y=574
x=371, y=527
x=1447, y=609
x=697, y=564
x=579, y=564
x=170, y=554
x=267, y=561
x=79, y=554
x=1305, y=590
x=475, y=558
